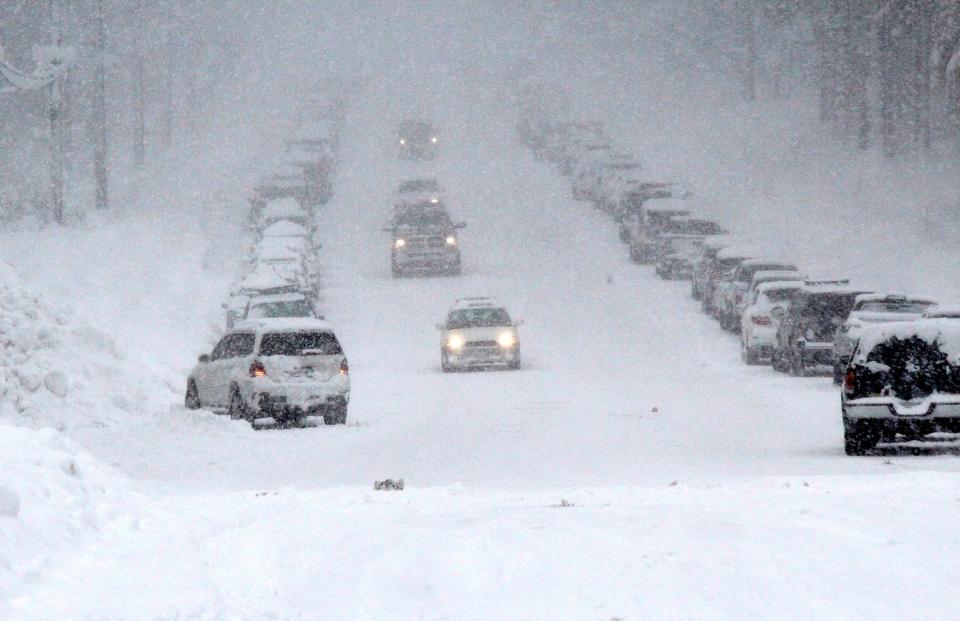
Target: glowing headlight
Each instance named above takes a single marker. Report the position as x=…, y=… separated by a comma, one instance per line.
x=455, y=342
x=399, y=243
x=451, y=240
x=433, y=139
x=402, y=141
x=434, y=200
x=506, y=340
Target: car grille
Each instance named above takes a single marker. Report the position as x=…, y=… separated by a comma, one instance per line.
x=419, y=244
x=480, y=344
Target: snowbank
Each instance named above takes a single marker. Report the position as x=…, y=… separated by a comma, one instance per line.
x=53, y=498
x=55, y=372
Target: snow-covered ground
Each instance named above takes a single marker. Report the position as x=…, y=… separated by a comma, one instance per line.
x=632, y=469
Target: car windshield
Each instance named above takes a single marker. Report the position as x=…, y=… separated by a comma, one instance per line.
x=693, y=227
x=419, y=185
x=904, y=307
x=289, y=308
x=299, y=344
x=422, y=217
x=750, y=270
x=478, y=318
x=907, y=368
x=416, y=130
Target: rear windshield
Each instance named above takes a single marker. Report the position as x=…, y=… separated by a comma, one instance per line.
x=299, y=344
x=292, y=308
x=780, y=295
x=823, y=313
x=908, y=368
x=419, y=185
x=893, y=307
x=478, y=318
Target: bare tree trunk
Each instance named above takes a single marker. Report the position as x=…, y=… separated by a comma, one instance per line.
x=750, y=79
x=100, y=114
x=55, y=114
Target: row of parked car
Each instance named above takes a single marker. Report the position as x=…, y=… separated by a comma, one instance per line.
x=896, y=355
x=279, y=362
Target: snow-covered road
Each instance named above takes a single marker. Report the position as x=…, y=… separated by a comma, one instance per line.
x=700, y=488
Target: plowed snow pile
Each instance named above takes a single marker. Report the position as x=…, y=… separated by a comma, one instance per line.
x=57, y=373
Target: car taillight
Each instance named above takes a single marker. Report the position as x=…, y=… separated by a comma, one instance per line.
x=344, y=368
x=761, y=320
x=257, y=369
x=848, y=380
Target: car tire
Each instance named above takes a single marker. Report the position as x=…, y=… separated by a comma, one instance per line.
x=633, y=254
x=337, y=416
x=191, y=399
x=837, y=374
x=395, y=269
x=797, y=367
x=514, y=364
x=694, y=293
x=859, y=438
x=445, y=362
x=238, y=409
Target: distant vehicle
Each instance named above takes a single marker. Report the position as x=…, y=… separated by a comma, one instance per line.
x=617, y=176
x=584, y=173
x=869, y=309
x=478, y=332
x=942, y=312
x=704, y=264
x=678, y=245
x=421, y=190
x=642, y=234
x=417, y=140
x=735, y=295
x=629, y=207
x=279, y=306
x=903, y=380
x=767, y=306
x=284, y=369
x=805, y=336
x=720, y=279
x=425, y=241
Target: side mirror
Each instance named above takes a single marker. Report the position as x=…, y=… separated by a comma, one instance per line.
x=460, y=225
x=203, y=358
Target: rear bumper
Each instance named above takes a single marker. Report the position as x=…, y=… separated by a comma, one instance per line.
x=296, y=400
x=938, y=417
x=817, y=355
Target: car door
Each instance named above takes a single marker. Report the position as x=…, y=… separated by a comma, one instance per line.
x=230, y=365
x=206, y=374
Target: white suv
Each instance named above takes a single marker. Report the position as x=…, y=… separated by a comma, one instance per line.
x=284, y=369
x=479, y=333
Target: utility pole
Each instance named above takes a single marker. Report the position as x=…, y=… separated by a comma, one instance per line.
x=55, y=114
x=100, y=113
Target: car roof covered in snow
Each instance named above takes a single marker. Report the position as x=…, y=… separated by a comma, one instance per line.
x=779, y=285
x=288, y=207
x=476, y=302
x=285, y=228
x=941, y=311
x=775, y=275
x=737, y=251
x=759, y=261
x=284, y=324
x=719, y=242
x=668, y=205
x=836, y=287
x=894, y=297
x=944, y=332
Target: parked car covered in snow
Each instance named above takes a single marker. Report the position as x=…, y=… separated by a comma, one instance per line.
x=720, y=279
x=903, y=380
x=477, y=333
x=942, y=312
x=869, y=309
x=679, y=242
x=767, y=307
x=288, y=208
x=705, y=264
x=629, y=207
x=805, y=336
x=284, y=369
x=642, y=233
x=734, y=297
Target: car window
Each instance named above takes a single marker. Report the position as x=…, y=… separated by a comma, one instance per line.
x=240, y=345
x=477, y=318
x=221, y=348
x=288, y=308
x=893, y=307
x=299, y=344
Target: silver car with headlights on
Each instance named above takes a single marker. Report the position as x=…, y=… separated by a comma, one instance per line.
x=479, y=333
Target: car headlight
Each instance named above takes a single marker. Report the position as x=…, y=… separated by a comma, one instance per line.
x=402, y=141
x=506, y=340
x=433, y=139
x=455, y=342
x=399, y=243
x=451, y=240
x=434, y=200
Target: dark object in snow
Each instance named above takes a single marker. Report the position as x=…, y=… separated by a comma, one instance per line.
x=609, y=279
x=672, y=484
x=655, y=409
x=565, y=503
x=388, y=485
